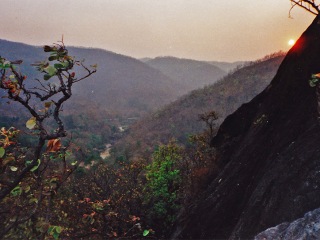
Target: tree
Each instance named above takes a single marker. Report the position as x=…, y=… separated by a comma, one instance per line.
x=162, y=189
x=30, y=178
x=201, y=158
x=311, y=6
x=209, y=118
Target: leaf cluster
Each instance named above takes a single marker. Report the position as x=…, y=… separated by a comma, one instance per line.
x=314, y=81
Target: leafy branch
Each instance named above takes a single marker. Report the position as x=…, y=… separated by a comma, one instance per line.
x=44, y=102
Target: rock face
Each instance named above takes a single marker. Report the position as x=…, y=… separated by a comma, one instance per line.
x=307, y=227
x=269, y=156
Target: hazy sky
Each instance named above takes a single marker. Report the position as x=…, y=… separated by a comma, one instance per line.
x=225, y=30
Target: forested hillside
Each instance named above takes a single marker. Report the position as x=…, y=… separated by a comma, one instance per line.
x=180, y=119
x=124, y=85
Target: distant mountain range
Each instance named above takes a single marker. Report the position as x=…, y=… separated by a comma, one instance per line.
x=122, y=85
x=225, y=66
x=188, y=73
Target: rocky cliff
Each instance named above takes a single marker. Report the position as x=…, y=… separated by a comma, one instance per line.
x=269, y=156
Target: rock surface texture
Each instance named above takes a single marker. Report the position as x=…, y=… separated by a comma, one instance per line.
x=269, y=156
x=307, y=227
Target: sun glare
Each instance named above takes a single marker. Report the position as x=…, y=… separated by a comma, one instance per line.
x=291, y=42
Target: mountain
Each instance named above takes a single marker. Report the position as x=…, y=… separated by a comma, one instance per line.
x=227, y=66
x=122, y=84
x=190, y=74
x=268, y=155
x=180, y=119
x=146, y=59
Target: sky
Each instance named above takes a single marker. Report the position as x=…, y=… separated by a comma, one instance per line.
x=220, y=30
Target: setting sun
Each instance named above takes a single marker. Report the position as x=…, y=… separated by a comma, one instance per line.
x=291, y=42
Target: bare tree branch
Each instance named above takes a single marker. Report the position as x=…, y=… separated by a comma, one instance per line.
x=309, y=5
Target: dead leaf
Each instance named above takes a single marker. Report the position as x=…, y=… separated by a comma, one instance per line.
x=54, y=145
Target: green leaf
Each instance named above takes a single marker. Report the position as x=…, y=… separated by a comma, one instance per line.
x=35, y=167
x=46, y=77
x=16, y=191
x=5, y=64
x=313, y=82
x=2, y=152
x=65, y=64
x=58, y=65
x=55, y=235
x=52, y=58
x=51, y=70
x=50, y=229
x=145, y=233
x=13, y=168
x=31, y=123
x=58, y=229
x=28, y=162
x=74, y=163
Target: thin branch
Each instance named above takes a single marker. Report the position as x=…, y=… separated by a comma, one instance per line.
x=44, y=87
x=311, y=6
x=90, y=72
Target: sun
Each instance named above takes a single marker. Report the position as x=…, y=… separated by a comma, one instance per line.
x=291, y=42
